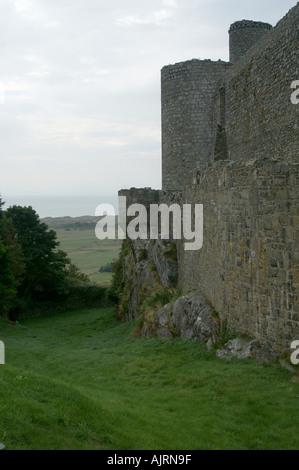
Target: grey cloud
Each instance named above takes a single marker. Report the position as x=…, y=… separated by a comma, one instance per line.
x=82, y=83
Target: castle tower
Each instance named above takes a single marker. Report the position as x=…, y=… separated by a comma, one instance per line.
x=187, y=96
x=243, y=35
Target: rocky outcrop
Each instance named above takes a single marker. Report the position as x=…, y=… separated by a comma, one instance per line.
x=243, y=349
x=189, y=317
x=164, y=255
x=149, y=265
x=140, y=279
x=162, y=326
x=193, y=318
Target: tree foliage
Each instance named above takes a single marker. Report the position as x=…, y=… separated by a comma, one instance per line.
x=8, y=264
x=118, y=284
x=34, y=271
x=45, y=264
x=8, y=283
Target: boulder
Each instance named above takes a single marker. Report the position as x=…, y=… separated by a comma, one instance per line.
x=163, y=322
x=193, y=318
x=243, y=349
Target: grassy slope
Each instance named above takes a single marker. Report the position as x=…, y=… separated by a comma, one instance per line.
x=82, y=381
x=88, y=252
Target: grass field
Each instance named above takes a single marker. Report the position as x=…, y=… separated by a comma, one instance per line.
x=81, y=380
x=89, y=253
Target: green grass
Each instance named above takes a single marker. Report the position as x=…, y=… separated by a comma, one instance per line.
x=89, y=253
x=81, y=380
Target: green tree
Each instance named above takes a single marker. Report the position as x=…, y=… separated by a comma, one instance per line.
x=9, y=238
x=118, y=284
x=11, y=266
x=45, y=273
x=8, y=283
x=76, y=277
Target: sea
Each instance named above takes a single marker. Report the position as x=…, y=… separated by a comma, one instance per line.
x=63, y=206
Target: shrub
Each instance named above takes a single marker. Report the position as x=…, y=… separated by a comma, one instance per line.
x=118, y=284
x=106, y=268
x=77, y=297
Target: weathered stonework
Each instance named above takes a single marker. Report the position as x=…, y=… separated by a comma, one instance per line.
x=249, y=263
x=243, y=35
x=188, y=91
x=260, y=120
x=230, y=142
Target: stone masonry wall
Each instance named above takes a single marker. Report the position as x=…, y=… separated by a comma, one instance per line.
x=260, y=120
x=188, y=91
x=243, y=35
x=230, y=142
x=144, y=196
x=248, y=266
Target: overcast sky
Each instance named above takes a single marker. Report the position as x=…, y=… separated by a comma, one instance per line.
x=80, y=85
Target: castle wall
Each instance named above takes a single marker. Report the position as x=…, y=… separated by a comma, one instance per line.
x=188, y=92
x=249, y=263
x=243, y=35
x=230, y=142
x=144, y=196
x=260, y=120
x=248, y=266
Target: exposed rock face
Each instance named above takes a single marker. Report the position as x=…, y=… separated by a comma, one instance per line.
x=163, y=320
x=243, y=349
x=162, y=326
x=192, y=317
x=165, y=258
x=150, y=263
x=189, y=317
x=139, y=287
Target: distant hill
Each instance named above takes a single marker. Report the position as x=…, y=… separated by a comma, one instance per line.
x=84, y=222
